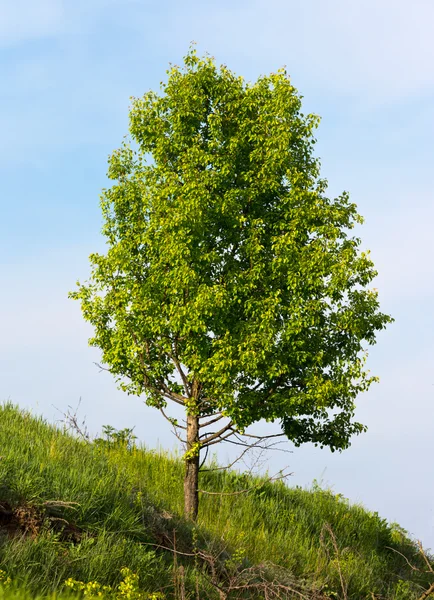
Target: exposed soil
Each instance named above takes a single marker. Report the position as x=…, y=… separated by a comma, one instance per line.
x=27, y=519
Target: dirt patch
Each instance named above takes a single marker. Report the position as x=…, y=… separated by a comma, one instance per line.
x=30, y=520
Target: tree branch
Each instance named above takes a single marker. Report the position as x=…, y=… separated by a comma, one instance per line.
x=171, y=420
x=147, y=379
x=264, y=437
x=217, y=434
x=221, y=439
x=231, y=464
x=256, y=445
x=176, y=434
x=174, y=357
x=173, y=395
x=427, y=592
x=248, y=447
x=212, y=420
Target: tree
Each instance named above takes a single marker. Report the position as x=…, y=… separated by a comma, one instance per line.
x=231, y=285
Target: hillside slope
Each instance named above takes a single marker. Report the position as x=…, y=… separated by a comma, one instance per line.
x=71, y=509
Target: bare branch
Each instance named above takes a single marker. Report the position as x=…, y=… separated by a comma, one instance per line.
x=404, y=557
x=212, y=420
x=169, y=549
x=264, y=437
x=231, y=464
x=256, y=445
x=270, y=581
x=430, y=566
x=101, y=368
x=70, y=420
x=425, y=558
x=220, y=439
x=218, y=434
x=163, y=390
x=177, y=364
x=175, y=426
x=248, y=448
x=177, y=435
x=171, y=421
x=427, y=592
x=204, y=458
x=172, y=395
x=344, y=585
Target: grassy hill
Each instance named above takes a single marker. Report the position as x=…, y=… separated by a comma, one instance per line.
x=71, y=510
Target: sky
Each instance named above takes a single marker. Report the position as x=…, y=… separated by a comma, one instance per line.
x=68, y=70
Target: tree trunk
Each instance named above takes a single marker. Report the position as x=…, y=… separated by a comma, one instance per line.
x=191, y=477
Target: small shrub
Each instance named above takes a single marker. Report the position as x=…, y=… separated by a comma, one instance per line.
x=5, y=580
x=116, y=438
x=127, y=589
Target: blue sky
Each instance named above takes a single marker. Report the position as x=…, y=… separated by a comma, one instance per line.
x=366, y=67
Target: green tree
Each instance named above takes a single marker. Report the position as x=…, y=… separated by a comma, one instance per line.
x=230, y=285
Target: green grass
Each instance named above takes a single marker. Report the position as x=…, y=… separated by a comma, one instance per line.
x=127, y=503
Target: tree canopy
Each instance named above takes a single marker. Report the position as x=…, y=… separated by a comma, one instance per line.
x=231, y=284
